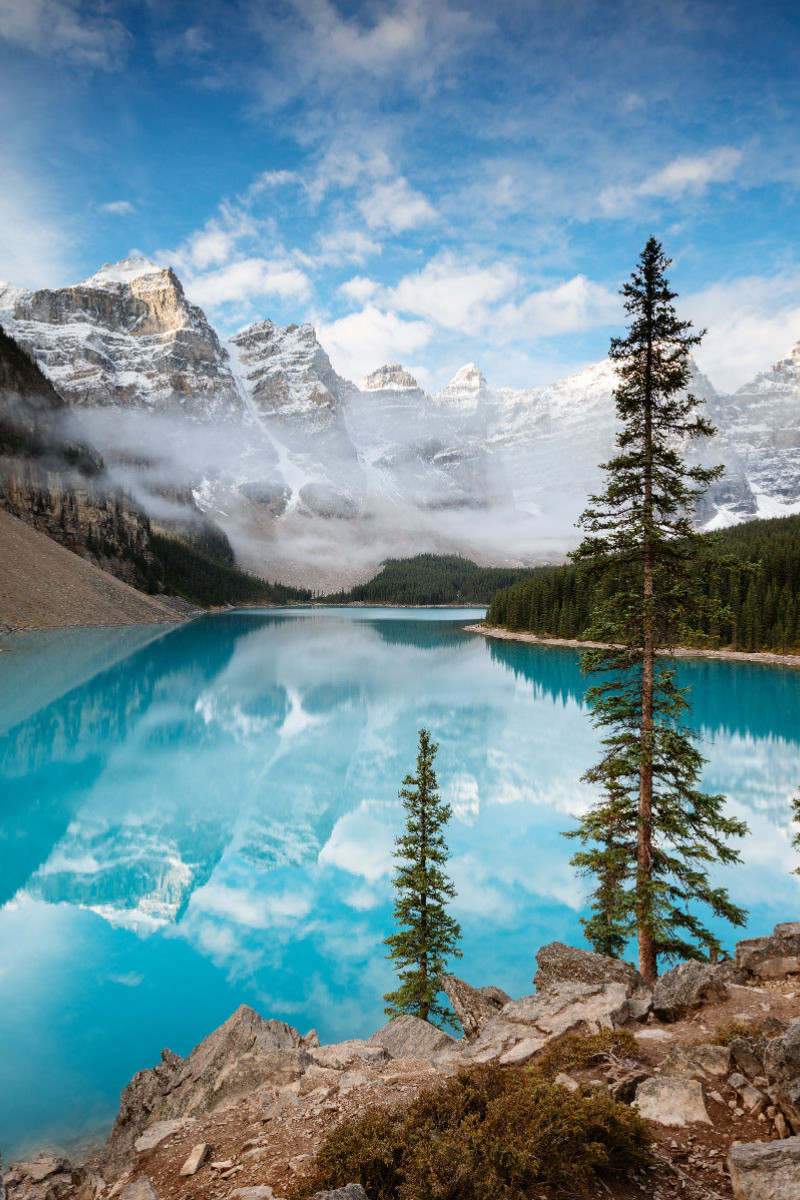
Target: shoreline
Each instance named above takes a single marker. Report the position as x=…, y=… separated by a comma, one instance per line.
x=755, y=656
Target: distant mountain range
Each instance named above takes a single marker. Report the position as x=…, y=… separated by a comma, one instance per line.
x=315, y=480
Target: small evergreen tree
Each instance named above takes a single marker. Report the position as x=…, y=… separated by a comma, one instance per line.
x=427, y=935
x=650, y=838
x=796, y=817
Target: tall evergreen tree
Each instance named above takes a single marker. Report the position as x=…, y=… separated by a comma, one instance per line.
x=427, y=935
x=652, y=835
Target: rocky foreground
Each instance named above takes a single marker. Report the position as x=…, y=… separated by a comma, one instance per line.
x=716, y=1074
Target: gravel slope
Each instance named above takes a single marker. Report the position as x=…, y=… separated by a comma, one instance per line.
x=42, y=584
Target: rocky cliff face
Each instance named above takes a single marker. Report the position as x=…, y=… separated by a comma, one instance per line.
x=126, y=337
x=292, y=446
x=59, y=485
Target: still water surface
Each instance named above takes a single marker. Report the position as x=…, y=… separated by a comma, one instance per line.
x=200, y=816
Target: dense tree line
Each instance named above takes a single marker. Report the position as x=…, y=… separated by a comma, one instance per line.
x=432, y=579
x=183, y=570
x=755, y=580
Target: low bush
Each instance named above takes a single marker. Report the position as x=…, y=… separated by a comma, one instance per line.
x=576, y=1051
x=737, y=1029
x=487, y=1134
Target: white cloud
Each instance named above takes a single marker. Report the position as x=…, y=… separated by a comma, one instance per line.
x=691, y=174
x=751, y=324
x=118, y=208
x=358, y=289
x=59, y=29
x=249, y=279
x=396, y=206
x=361, y=843
x=345, y=246
x=576, y=305
x=361, y=341
x=451, y=293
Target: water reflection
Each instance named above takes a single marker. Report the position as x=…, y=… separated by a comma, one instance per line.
x=203, y=815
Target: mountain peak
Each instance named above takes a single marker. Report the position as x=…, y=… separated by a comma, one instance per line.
x=391, y=375
x=466, y=379
x=124, y=271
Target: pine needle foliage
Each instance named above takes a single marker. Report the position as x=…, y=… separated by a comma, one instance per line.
x=426, y=933
x=796, y=818
x=651, y=838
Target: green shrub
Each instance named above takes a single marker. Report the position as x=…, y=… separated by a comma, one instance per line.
x=487, y=1134
x=576, y=1051
x=736, y=1029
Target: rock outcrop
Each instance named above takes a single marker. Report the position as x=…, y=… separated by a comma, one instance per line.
x=765, y=1170
x=474, y=1007
x=773, y=956
x=685, y=987
x=245, y=1054
x=524, y=1027
x=672, y=1101
x=409, y=1037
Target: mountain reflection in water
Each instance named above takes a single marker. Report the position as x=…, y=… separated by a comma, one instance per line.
x=199, y=816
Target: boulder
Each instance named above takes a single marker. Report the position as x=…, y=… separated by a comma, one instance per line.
x=156, y=1133
x=703, y=1060
x=525, y=1026
x=747, y=1055
x=340, y=1056
x=353, y=1191
x=140, y=1189
x=558, y=963
x=235, y=1060
x=782, y=1068
x=409, y=1037
x=772, y=956
x=765, y=1170
x=48, y=1178
x=670, y=1100
x=474, y=1007
x=751, y=1099
x=688, y=986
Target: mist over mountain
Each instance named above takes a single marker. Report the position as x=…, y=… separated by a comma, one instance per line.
x=315, y=480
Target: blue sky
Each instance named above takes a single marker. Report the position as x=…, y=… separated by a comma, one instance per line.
x=435, y=182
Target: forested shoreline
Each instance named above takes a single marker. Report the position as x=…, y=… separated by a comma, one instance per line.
x=752, y=580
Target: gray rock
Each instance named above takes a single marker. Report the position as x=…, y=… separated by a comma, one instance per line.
x=558, y=963
x=156, y=1133
x=46, y=1178
x=751, y=1098
x=782, y=1068
x=258, y=1192
x=525, y=1026
x=341, y=1055
x=353, y=1191
x=685, y=987
x=704, y=1060
x=140, y=1189
x=235, y=1060
x=474, y=1007
x=772, y=956
x=729, y=972
x=748, y=1055
x=765, y=1170
x=669, y=1100
x=409, y=1037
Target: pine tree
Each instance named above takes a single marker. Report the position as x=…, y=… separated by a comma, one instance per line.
x=427, y=935
x=796, y=818
x=651, y=836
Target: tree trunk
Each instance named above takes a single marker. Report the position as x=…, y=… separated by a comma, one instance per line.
x=644, y=842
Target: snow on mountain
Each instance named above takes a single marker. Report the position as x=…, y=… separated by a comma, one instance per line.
x=127, y=337
x=301, y=466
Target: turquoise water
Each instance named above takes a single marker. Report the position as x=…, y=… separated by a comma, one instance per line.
x=199, y=816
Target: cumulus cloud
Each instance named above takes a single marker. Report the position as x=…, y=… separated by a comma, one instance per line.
x=35, y=240
x=358, y=289
x=65, y=29
x=576, y=305
x=372, y=335
x=249, y=279
x=689, y=174
x=396, y=206
x=454, y=294
x=752, y=322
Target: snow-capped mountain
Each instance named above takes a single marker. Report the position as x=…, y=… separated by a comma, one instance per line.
x=314, y=479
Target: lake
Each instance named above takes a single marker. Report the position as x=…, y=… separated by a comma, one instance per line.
x=198, y=816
